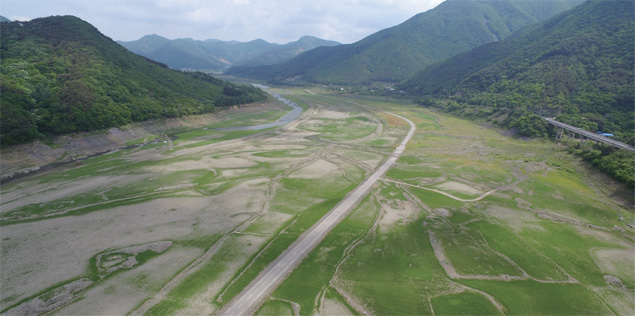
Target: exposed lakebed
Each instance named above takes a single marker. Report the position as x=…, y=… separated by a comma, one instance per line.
x=288, y=117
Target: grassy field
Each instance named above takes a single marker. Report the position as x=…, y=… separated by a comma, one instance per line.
x=463, y=303
x=467, y=222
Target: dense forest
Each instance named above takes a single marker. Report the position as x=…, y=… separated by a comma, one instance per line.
x=397, y=53
x=60, y=75
x=578, y=66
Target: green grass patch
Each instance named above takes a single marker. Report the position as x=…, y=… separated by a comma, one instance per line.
x=522, y=253
x=275, y=307
x=471, y=255
x=203, y=242
x=250, y=119
x=302, y=222
x=533, y=298
x=333, y=295
x=342, y=129
x=142, y=140
x=313, y=275
x=392, y=273
x=464, y=303
x=460, y=217
x=379, y=142
x=434, y=199
x=420, y=172
x=280, y=154
x=410, y=160
x=570, y=249
x=197, y=282
x=258, y=263
x=570, y=202
x=391, y=192
x=294, y=194
x=218, y=137
x=301, y=103
x=166, y=307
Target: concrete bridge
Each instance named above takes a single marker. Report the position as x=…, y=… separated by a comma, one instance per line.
x=584, y=135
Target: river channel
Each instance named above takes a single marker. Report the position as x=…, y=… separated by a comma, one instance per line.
x=290, y=116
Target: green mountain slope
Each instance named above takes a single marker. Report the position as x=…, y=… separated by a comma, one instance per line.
x=397, y=53
x=578, y=66
x=217, y=56
x=60, y=74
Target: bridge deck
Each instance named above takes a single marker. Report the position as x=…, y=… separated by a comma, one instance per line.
x=590, y=135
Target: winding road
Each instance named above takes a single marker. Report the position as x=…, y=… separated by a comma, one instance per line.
x=250, y=299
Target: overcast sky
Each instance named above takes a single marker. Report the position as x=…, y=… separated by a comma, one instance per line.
x=278, y=21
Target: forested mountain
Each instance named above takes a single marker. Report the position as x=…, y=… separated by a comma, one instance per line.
x=397, y=53
x=578, y=66
x=60, y=74
x=218, y=56
x=4, y=19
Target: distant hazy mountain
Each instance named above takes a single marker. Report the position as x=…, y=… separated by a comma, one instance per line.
x=579, y=66
x=3, y=19
x=397, y=53
x=217, y=56
x=61, y=75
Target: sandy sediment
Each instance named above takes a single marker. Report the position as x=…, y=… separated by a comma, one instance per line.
x=65, y=245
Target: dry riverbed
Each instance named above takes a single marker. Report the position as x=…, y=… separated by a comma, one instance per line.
x=169, y=228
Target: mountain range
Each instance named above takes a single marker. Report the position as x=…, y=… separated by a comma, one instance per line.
x=61, y=75
x=217, y=56
x=397, y=53
x=578, y=66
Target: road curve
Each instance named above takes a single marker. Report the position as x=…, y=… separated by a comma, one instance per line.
x=250, y=299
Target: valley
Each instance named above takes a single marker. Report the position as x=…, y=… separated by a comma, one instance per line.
x=466, y=220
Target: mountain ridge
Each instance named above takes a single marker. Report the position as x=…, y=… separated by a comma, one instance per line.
x=212, y=55
x=578, y=66
x=396, y=53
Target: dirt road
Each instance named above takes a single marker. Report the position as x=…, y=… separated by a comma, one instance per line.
x=248, y=301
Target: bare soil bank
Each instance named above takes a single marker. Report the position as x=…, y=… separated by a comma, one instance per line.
x=24, y=159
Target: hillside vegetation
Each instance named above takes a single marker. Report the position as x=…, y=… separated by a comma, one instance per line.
x=215, y=55
x=578, y=66
x=397, y=53
x=60, y=75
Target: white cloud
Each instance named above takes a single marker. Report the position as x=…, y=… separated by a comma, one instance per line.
x=278, y=21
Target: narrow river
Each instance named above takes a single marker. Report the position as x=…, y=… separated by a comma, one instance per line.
x=290, y=116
